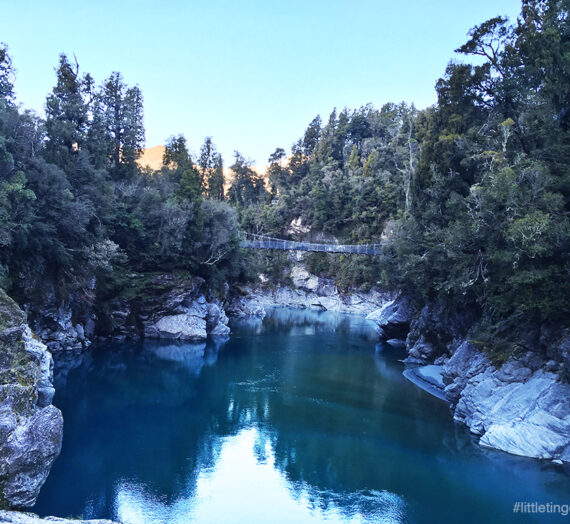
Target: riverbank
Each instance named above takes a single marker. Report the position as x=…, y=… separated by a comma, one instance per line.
x=298, y=404
x=306, y=291
x=521, y=407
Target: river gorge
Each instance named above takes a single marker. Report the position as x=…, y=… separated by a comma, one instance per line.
x=302, y=416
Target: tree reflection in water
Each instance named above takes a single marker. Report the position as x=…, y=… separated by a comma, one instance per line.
x=296, y=418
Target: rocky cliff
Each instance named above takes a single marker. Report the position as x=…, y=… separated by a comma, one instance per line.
x=307, y=291
x=521, y=407
x=158, y=305
x=31, y=428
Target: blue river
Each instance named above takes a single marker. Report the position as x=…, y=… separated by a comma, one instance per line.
x=302, y=417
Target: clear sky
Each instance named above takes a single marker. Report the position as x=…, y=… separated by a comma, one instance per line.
x=251, y=74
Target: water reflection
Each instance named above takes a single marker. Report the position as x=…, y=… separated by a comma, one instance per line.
x=301, y=322
x=251, y=455
x=295, y=419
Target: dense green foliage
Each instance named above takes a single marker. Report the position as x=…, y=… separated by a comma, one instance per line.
x=470, y=197
x=488, y=223
x=74, y=203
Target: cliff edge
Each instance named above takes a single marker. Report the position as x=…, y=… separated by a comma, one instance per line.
x=31, y=428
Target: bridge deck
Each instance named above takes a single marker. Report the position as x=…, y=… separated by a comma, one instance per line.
x=290, y=245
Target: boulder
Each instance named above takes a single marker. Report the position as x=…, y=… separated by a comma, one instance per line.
x=170, y=306
x=193, y=320
x=302, y=279
x=183, y=327
x=394, y=317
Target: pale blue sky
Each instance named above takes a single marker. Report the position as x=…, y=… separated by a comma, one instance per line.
x=252, y=74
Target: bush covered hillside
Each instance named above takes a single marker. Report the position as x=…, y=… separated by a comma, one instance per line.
x=470, y=197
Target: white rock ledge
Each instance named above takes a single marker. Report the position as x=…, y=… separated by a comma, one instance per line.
x=429, y=378
x=513, y=408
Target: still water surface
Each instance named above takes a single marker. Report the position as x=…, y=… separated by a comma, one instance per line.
x=299, y=418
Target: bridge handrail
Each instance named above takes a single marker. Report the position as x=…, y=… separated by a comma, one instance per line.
x=311, y=244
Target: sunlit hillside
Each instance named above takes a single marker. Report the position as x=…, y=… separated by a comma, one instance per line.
x=151, y=157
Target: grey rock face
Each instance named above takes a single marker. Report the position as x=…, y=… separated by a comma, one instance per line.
x=184, y=327
x=28, y=454
x=246, y=306
x=256, y=300
x=122, y=321
x=169, y=306
x=55, y=325
x=436, y=331
x=217, y=320
x=394, y=318
x=183, y=313
x=420, y=352
x=518, y=409
x=309, y=291
x=31, y=429
x=560, y=350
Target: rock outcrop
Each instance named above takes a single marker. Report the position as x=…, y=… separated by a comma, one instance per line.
x=522, y=407
x=519, y=408
x=393, y=318
x=63, y=326
x=436, y=332
x=64, y=323
x=308, y=291
x=31, y=428
x=183, y=313
x=166, y=306
x=59, y=333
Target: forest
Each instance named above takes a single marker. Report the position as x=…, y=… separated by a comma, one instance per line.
x=470, y=197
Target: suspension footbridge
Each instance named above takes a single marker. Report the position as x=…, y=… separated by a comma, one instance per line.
x=253, y=241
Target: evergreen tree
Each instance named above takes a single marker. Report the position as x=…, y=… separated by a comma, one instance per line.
x=6, y=75
x=178, y=160
x=122, y=114
x=66, y=115
x=247, y=186
x=216, y=179
x=211, y=166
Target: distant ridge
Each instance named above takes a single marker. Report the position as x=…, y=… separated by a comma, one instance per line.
x=151, y=157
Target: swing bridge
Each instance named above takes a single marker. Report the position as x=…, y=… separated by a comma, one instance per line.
x=254, y=241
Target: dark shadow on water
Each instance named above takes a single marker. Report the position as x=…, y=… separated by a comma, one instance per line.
x=301, y=414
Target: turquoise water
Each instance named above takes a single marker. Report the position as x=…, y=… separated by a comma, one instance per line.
x=299, y=418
